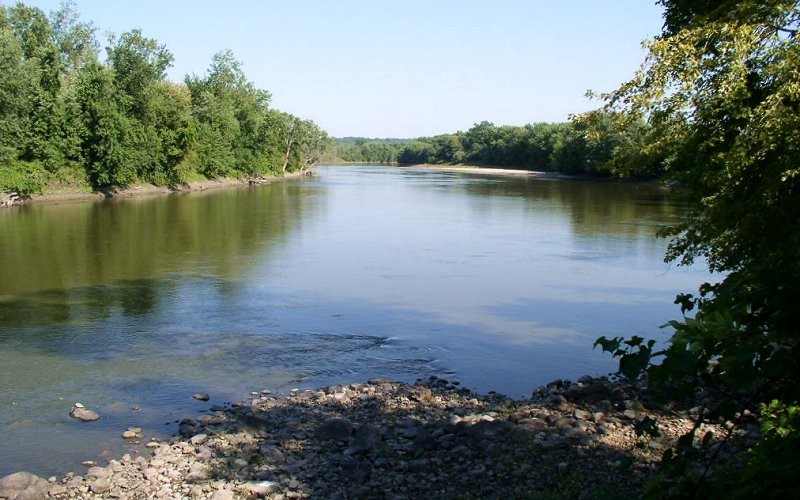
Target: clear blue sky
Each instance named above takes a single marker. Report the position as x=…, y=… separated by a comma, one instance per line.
x=404, y=68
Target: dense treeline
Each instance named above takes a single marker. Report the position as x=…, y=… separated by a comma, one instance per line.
x=363, y=150
x=586, y=145
x=68, y=117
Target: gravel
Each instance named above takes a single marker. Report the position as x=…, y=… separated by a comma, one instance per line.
x=386, y=439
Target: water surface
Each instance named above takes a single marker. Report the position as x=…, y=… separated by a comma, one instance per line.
x=359, y=272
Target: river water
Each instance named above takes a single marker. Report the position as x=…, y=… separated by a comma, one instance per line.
x=132, y=306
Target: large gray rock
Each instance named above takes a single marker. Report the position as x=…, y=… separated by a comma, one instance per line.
x=100, y=486
x=23, y=486
x=83, y=414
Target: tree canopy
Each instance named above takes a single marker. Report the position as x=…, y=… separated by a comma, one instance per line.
x=720, y=91
x=70, y=117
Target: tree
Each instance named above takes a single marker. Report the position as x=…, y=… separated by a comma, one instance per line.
x=108, y=152
x=139, y=63
x=719, y=90
x=74, y=38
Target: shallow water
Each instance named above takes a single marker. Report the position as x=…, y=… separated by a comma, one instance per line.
x=359, y=272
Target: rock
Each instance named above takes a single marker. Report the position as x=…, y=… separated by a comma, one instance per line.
x=557, y=401
x=197, y=472
x=204, y=453
x=254, y=426
x=222, y=494
x=425, y=440
x=573, y=433
x=337, y=429
x=100, y=486
x=186, y=430
x=631, y=414
x=57, y=490
x=424, y=394
x=202, y=396
x=198, y=439
x=130, y=435
x=260, y=489
x=97, y=472
x=273, y=454
x=151, y=474
x=23, y=485
x=83, y=414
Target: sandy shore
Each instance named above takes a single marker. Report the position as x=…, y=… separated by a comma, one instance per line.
x=472, y=169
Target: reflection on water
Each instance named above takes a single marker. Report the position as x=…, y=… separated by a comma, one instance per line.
x=502, y=282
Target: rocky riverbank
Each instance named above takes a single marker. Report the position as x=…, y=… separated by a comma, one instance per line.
x=385, y=439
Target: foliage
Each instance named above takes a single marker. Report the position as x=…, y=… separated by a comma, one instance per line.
x=590, y=144
x=122, y=121
x=362, y=150
x=720, y=94
x=22, y=178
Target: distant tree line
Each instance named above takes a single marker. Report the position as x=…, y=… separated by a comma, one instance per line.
x=363, y=150
x=592, y=143
x=69, y=117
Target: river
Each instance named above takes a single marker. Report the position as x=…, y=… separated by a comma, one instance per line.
x=132, y=306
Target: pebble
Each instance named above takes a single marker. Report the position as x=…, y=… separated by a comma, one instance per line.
x=202, y=396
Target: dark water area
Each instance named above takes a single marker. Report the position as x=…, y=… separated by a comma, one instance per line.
x=358, y=272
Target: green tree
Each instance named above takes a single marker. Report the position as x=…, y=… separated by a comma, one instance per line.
x=107, y=151
x=232, y=114
x=74, y=38
x=37, y=108
x=415, y=153
x=720, y=91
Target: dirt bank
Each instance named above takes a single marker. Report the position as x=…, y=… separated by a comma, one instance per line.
x=76, y=195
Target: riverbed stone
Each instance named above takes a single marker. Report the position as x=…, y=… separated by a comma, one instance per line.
x=222, y=494
x=260, y=489
x=197, y=472
x=83, y=414
x=100, y=486
x=22, y=486
x=198, y=439
x=380, y=437
x=202, y=396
